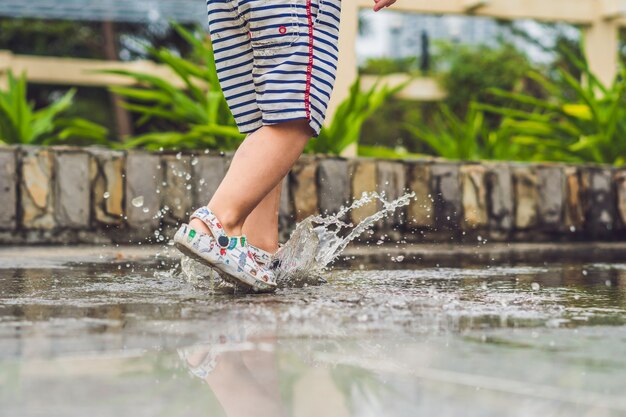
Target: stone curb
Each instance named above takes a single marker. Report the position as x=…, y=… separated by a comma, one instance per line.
x=92, y=195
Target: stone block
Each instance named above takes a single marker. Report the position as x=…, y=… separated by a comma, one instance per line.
x=334, y=185
x=500, y=197
x=36, y=189
x=420, y=212
x=574, y=217
x=474, y=196
x=177, y=188
x=392, y=185
x=107, y=182
x=364, y=180
x=525, y=182
x=143, y=182
x=8, y=189
x=72, y=191
x=600, y=204
x=447, y=195
x=208, y=172
x=620, y=190
x=303, y=183
x=552, y=196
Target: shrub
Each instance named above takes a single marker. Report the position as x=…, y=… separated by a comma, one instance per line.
x=578, y=122
x=345, y=128
x=191, y=118
x=20, y=123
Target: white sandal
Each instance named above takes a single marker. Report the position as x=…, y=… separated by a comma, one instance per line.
x=230, y=255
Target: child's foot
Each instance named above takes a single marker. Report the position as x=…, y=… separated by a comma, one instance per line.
x=230, y=255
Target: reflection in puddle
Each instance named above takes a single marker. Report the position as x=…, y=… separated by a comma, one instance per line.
x=514, y=341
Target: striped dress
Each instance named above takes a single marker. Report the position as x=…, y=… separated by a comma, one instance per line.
x=276, y=59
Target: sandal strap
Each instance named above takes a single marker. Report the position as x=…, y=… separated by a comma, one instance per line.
x=223, y=240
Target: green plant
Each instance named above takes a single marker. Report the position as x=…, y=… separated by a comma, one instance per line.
x=467, y=72
x=384, y=66
x=468, y=138
x=21, y=124
x=190, y=118
x=578, y=122
x=345, y=128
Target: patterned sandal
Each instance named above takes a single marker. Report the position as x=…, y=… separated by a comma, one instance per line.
x=264, y=258
x=230, y=255
x=261, y=257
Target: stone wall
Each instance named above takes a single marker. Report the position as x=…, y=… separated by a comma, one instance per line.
x=73, y=195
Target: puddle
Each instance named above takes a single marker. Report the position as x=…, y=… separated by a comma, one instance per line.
x=313, y=246
x=509, y=340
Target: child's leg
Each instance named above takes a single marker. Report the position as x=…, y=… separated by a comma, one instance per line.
x=259, y=165
x=261, y=226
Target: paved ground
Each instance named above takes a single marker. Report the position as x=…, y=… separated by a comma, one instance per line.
x=422, y=254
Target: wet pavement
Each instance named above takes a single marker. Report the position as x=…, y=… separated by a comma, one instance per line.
x=130, y=337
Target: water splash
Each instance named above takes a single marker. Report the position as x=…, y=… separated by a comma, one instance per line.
x=320, y=240
x=316, y=242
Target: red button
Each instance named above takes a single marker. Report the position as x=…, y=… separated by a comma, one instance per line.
x=282, y=30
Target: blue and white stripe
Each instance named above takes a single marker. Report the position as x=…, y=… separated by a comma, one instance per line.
x=276, y=59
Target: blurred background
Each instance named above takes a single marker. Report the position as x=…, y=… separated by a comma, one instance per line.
x=461, y=79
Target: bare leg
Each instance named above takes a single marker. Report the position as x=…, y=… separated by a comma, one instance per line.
x=239, y=392
x=261, y=226
x=258, y=167
x=246, y=383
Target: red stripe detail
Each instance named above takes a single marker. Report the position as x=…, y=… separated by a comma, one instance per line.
x=307, y=92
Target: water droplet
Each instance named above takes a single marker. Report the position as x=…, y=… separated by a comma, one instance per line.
x=179, y=155
x=106, y=195
x=585, y=272
x=189, y=187
x=137, y=201
x=535, y=286
x=479, y=238
x=572, y=229
x=608, y=283
x=146, y=209
x=194, y=162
